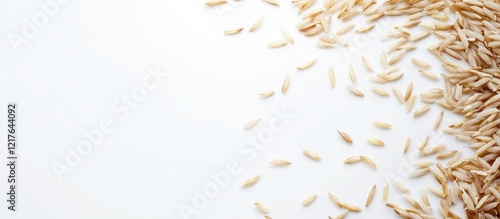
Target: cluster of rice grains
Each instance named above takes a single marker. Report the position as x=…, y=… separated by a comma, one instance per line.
x=469, y=48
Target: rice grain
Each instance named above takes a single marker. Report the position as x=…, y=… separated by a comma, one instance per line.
x=215, y=2
x=407, y=144
x=376, y=141
x=385, y=196
x=367, y=63
x=429, y=74
x=420, y=63
x=352, y=159
x=288, y=37
x=266, y=94
x=369, y=161
x=421, y=111
x=350, y=207
x=345, y=28
x=438, y=120
x=256, y=24
x=280, y=162
x=398, y=94
x=400, y=187
x=286, y=83
x=233, y=31
x=365, y=28
x=345, y=136
x=251, y=181
x=352, y=74
x=261, y=207
x=342, y=214
x=331, y=76
x=380, y=91
x=277, y=44
x=397, y=57
x=355, y=91
x=369, y=198
x=409, y=91
x=273, y=2
x=311, y=154
x=383, y=125
x=307, y=201
x=307, y=64
x=251, y=123
x=335, y=199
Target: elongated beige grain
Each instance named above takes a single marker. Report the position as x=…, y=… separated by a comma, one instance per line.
x=233, y=31
x=400, y=187
x=345, y=136
x=266, y=94
x=380, y=91
x=273, y=2
x=369, y=161
x=385, y=196
x=369, y=198
x=250, y=124
x=261, y=207
x=407, y=144
x=345, y=28
x=365, y=28
x=409, y=91
x=376, y=141
x=424, y=143
x=340, y=40
x=446, y=154
x=277, y=44
x=420, y=63
x=307, y=201
x=331, y=76
x=438, y=120
x=429, y=74
x=286, y=84
x=421, y=111
x=215, y=2
x=398, y=94
x=425, y=199
x=418, y=172
x=352, y=74
x=394, y=76
x=311, y=154
x=383, y=125
x=352, y=159
x=383, y=60
x=397, y=57
x=350, y=207
x=415, y=16
x=335, y=199
x=288, y=37
x=420, y=36
x=410, y=102
x=307, y=64
x=355, y=91
x=367, y=63
x=250, y=181
x=256, y=25
x=325, y=45
x=280, y=162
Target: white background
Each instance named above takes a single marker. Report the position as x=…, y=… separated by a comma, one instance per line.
x=67, y=77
